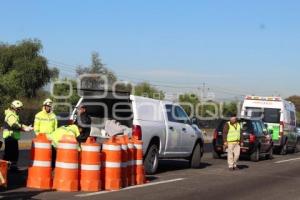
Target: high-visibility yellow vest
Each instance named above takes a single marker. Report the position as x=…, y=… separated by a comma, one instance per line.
x=12, y=125
x=45, y=122
x=63, y=131
x=234, y=132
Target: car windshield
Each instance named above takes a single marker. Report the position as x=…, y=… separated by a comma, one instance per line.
x=268, y=115
x=271, y=115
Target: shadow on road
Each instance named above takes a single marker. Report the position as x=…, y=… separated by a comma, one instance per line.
x=21, y=195
x=176, y=165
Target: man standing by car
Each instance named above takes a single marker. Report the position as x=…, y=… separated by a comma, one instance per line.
x=83, y=120
x=232, y=141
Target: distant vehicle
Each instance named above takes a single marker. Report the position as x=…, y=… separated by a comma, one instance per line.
x=257, y=141
x=280, y=117
x=164, y=127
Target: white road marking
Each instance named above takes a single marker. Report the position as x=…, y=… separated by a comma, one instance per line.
x=283, y=161
x=131, y=187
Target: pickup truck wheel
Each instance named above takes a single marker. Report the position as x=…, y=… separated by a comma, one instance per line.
x=195, y=160
x=151, y=160
x=255, y=155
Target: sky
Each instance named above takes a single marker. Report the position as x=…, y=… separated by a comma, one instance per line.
x=228, y=47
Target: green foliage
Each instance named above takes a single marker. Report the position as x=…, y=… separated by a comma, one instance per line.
x=96, y=68
x=22, y=69
x=146, y=90
x=189, y=103
x=63, y=89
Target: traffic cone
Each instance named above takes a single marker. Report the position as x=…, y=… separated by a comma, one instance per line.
x=90, y=174
x=112, y=159
x=39, y=174
x=124, y=165
x=139, y=170
x=66, y=166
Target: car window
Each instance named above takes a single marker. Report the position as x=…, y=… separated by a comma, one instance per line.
x=259, y=128
x=254, y=128
x=181, y=116
x=171, y=113
x=246, y=126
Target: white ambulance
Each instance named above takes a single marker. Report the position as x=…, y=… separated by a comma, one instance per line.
x=279, y=116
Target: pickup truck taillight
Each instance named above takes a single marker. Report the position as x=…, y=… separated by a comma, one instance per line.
x=137, y=132
x=252, y=138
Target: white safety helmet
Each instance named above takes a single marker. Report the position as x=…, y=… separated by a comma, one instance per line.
x=16, y=104
x=48, y=102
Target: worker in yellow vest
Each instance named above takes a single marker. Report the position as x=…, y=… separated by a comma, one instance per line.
x=45, y=121
x=232, y=141
x=12, y=133
x=70, y=133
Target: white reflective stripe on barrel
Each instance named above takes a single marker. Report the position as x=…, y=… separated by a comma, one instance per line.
x=38, y=163
x=138, y=146
x=130, y=146
x=90, y=167
x=90, y=148
x=131, y=162
x=124, y=147
x=111, y=147
x=42, y=145
x=124, y=164
x=67, y=146
x=112, y=164
x=66, y=165
x=138, y=162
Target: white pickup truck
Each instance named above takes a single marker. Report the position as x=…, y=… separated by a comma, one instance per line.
x=164, y=127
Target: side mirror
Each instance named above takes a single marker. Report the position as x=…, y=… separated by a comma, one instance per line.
x=194, y=120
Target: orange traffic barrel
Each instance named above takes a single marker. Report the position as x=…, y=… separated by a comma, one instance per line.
x=39, y=174
x=3, y=172
x=112, y=159
x=90, y=174
x=130, y=163
x=139, y=170
x=66, y=167
x=122, y=140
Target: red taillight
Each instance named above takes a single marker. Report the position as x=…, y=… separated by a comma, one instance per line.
x=252, y=138
x=215, y=134
x=281, y=128
x=137, y=132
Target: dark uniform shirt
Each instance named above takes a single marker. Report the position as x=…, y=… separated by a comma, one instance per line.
x=84, y=121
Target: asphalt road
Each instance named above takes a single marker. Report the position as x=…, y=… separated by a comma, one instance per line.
x=268, y=179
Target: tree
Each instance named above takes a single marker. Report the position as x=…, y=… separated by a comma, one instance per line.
x=192, y=100
x=93, y=72
x=22, y=69
x=146, y=90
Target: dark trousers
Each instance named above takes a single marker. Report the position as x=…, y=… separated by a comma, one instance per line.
x=11, y=151
x=53, y=158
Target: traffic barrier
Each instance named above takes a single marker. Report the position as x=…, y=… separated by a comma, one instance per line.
x=90, y=172
x=112, y=159
x=122, y=140
x=139, y=170
x=3, y=172
x=130, y=163
x=39, y=174
x=66, y=166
